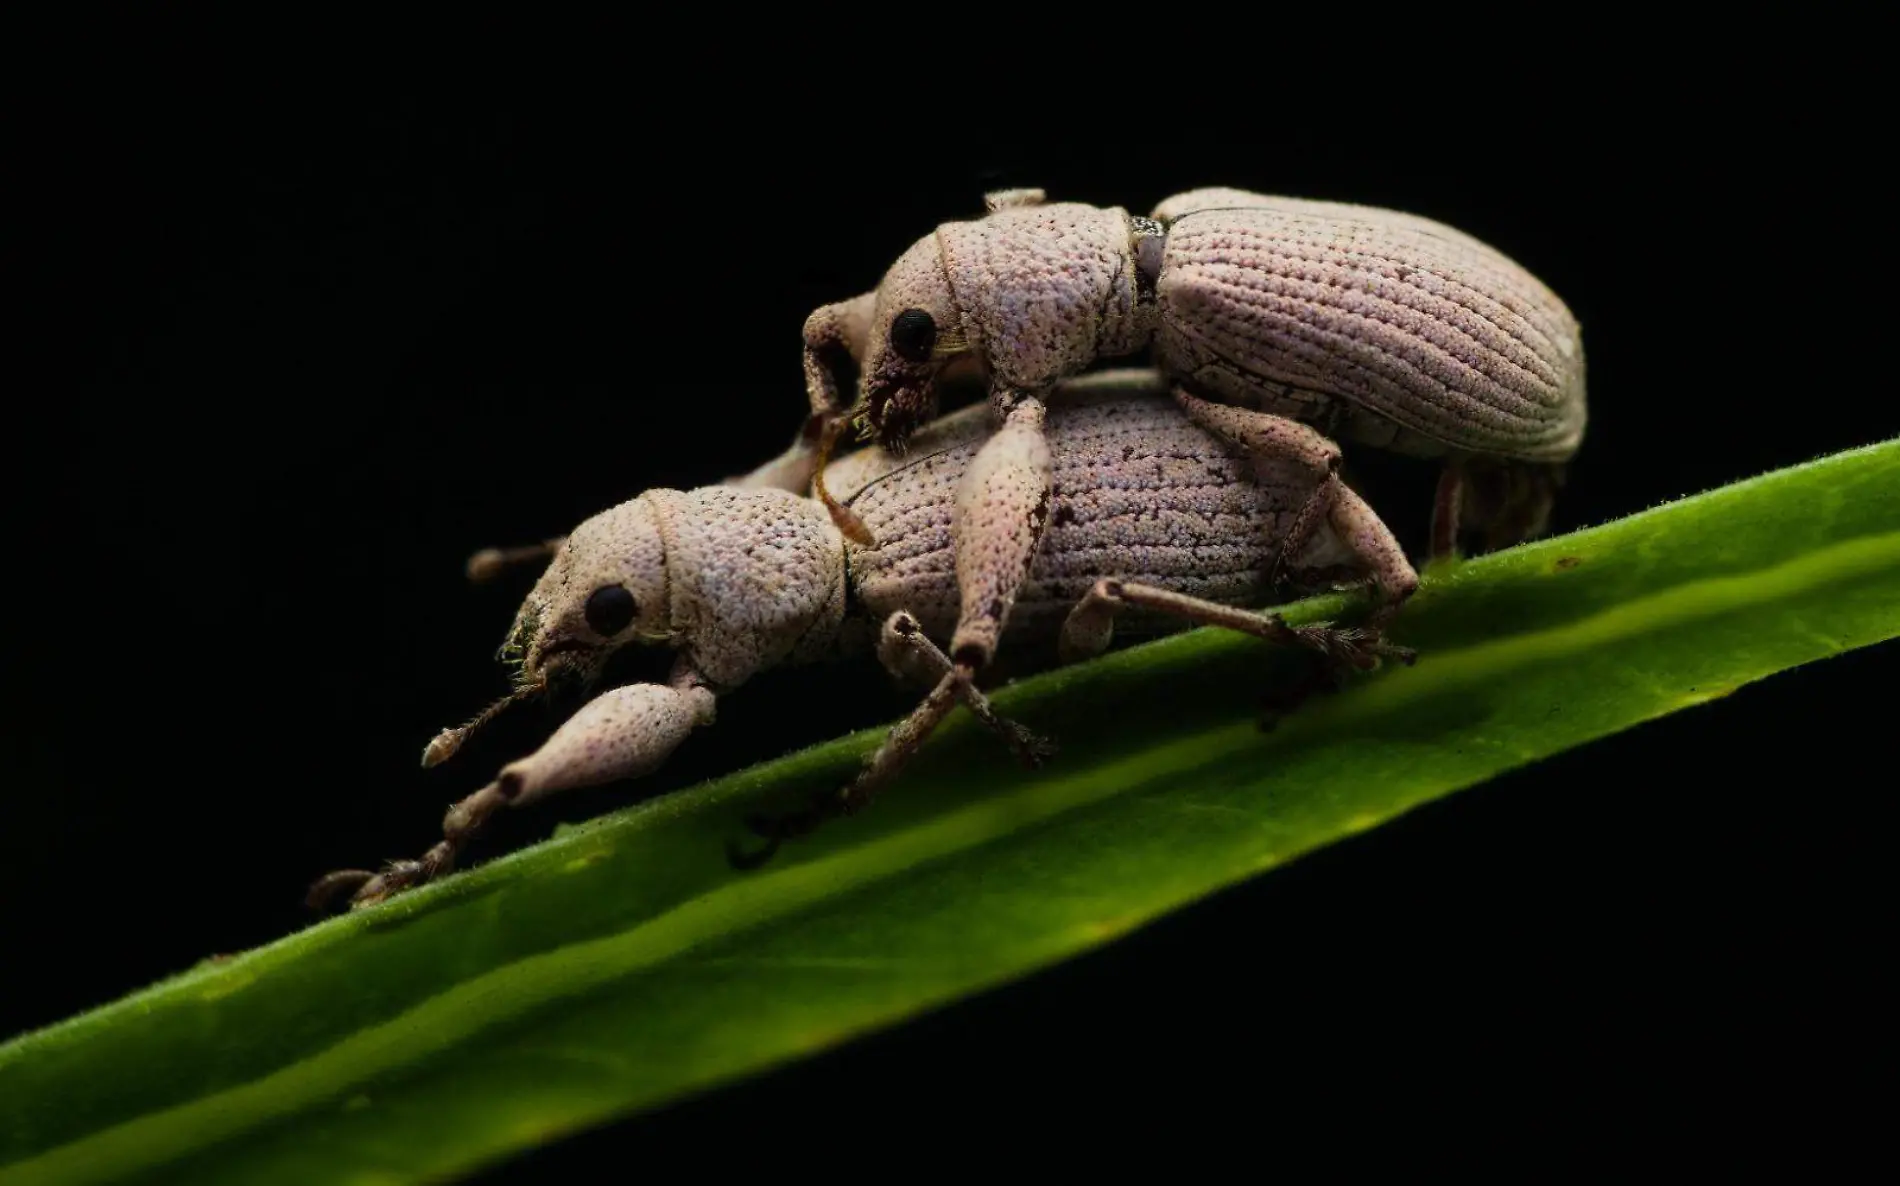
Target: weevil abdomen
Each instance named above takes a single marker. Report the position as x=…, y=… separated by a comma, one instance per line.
x=1371, y=319
x=1139, y=492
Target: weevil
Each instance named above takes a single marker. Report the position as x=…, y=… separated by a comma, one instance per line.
x=1353, y=323
x=1151, y=514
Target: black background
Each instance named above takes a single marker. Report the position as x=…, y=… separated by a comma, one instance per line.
x=315, y=350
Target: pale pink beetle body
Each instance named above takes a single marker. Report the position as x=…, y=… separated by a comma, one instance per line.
x=1407, y=333
x=1153, y=518
x=1140, y=493
x=1386, y=328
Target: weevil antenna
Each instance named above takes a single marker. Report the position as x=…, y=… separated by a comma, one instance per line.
x=846, y=518
x=446, y=744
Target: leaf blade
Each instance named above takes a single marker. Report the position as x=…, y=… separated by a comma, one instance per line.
x=622, y=965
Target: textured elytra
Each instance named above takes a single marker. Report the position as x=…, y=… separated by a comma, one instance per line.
x=1398, y=316
x=1044, y=290
x=1137, y=492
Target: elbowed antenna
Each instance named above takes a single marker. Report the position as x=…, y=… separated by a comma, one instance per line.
x=492, y=563
x=445, y=744
x=846, y=519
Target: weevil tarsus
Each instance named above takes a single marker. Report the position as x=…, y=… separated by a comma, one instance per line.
x=325, y=890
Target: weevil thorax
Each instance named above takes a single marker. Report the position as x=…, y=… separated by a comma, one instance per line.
x=1037, y=291
x=755, y=579
x=1046, y=289
x=736, y=580
x=606, y=587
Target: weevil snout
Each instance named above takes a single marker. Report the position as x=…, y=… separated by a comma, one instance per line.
x=915, y=330
x=605, y=588
x=566, y=667
x=892, y=414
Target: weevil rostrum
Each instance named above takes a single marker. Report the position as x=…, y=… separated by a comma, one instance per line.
x=1173, y=511
x=1345, y=322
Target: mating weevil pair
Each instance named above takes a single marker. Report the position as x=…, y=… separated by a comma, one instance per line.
x=1198, y=489
x=1345, y=322
x=1154, y=516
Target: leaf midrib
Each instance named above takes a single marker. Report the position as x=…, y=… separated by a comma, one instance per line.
x=532, y=982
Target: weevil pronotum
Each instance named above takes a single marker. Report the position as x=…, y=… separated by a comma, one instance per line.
x=1173, y=511
x=1356, y=323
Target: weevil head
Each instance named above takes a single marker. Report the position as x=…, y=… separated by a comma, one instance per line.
x=915, y=330
x=731, y=580
x=605, y=589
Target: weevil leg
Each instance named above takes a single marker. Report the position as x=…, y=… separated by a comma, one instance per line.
x=1002, y=507
x=1507, y=501
x=835, y=337
x=1370, y=542
x=904, y=739
x=1264, y=436
x=623, y=733
x=1001, y=513
x=1514, y=499
x=461, y=823
x=1090, y=625
x=1276, y=441
x=906, y=651
x=491, y=564
x=1448, y=511
x=1369, y=547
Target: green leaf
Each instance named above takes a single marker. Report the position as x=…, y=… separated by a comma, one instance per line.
x=623, y=964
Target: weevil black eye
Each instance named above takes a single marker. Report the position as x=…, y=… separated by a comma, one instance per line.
x=913, y=333
x=610, y=609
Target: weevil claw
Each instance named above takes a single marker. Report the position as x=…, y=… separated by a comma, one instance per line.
x=324, y=890
x=397, y=877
